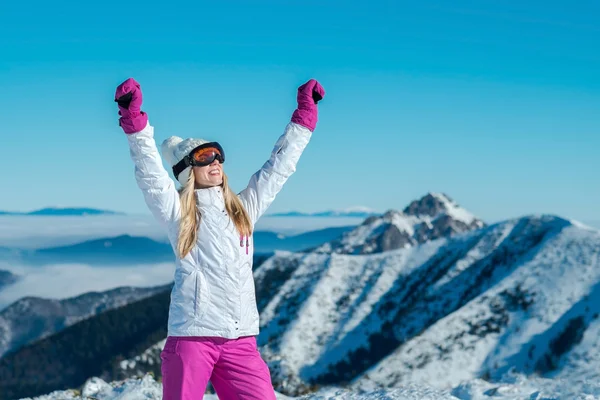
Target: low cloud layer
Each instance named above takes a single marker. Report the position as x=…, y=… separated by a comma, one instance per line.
x=63, y=281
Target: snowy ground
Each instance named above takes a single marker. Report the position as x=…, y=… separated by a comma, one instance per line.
x=512, y=387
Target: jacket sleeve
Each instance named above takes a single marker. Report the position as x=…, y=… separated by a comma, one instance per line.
x=267, y=182
x=158, y=188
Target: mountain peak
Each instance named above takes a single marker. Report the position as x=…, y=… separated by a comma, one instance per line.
x=432, y=204
x=437, y=204
x=431, y=217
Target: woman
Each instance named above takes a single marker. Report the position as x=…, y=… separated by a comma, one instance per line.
x=213, y=318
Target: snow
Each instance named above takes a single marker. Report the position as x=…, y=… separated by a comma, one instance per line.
x=337, y=294
x=362, y=240
x=488, y=242
x=562, y=276
x=455, y=211
x=513, y=386
x=516, y=386
x=147, y=357
x=457, y=321
x=333, y=304
x=583, y=361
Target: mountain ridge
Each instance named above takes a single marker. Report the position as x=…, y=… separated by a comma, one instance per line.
x=366, y=317
x=355, y=212
x=33, y=318
x=431, y=217
x=66, y=211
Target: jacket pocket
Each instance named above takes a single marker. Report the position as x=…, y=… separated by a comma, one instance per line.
x=247, y=293
x=202, y=297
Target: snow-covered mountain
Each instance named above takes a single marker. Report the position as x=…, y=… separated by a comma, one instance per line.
x=458, y=302
x=380, y=318
x=91, y=347
x=433, y=216
x=518, y=294
x=521, y=294
x=31, y=318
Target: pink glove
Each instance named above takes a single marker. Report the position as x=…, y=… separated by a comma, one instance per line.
x=129, y=98
x=309, y=95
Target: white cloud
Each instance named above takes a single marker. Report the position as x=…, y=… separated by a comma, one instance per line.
x=63, y=281
x=32, y=232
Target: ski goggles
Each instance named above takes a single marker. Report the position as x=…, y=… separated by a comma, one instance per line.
x=201, y=156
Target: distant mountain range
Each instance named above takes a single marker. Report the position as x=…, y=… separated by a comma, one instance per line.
x=126, y=249
x=120, y=250
x=265, y=242
x=64, y=212
x=354, y=212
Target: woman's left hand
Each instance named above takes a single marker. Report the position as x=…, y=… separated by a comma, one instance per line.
x=309, y=94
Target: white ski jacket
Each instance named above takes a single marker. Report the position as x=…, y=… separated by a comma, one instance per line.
x=213, y=292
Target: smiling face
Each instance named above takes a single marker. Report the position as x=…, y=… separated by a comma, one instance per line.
x=209, y=176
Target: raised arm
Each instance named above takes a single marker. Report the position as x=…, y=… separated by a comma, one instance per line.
x=157, y=187
x=267, y=182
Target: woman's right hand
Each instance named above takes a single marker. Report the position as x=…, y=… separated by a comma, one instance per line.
x=129, y=99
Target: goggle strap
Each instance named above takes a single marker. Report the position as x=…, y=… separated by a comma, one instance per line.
x=181, y=165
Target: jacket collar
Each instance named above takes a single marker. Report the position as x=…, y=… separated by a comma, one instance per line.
x=210, y=197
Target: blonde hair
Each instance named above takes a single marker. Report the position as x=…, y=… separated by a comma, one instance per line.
x=190, y=216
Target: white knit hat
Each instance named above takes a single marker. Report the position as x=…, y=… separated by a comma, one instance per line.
x=175, y=148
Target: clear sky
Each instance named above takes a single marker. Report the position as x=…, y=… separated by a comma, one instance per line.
x=495, y=103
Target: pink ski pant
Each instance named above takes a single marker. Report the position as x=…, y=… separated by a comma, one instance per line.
x=233, y=366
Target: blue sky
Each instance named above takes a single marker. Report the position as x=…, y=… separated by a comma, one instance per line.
x=495, y=104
